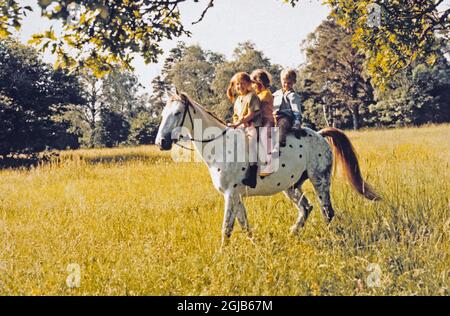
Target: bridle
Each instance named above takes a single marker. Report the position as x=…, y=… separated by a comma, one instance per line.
x=187, y=112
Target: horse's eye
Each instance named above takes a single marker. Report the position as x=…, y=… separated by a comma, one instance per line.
x=178, y=113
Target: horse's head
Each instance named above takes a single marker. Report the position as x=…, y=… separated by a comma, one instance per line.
x=172, y=119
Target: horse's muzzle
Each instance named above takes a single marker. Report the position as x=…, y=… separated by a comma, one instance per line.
x=166, y=144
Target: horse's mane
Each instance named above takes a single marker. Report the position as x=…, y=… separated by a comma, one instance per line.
x=184, y=97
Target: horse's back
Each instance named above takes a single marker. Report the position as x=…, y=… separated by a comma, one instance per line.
x=305, y=150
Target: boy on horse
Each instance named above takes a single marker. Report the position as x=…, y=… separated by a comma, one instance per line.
x=287, y=106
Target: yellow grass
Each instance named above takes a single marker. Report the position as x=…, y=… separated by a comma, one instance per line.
x=137, y=223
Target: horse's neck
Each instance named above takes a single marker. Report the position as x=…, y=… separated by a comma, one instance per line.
x=197, y=132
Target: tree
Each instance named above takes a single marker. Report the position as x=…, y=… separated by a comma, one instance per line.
x=77, y=125
x=392, y=34
x=417, y=95
x=120, y=91
x=194, y=72
x=145, y=123
x=32, y=98
x=112, y=130
x=334, y=71
x=89, y=112
x=175, y=55
x=158, y=98
x=101, y=33
x=144, y=129
x=162, y=83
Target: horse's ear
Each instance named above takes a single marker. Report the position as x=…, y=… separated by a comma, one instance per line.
x=181, y=95
x=183, y=98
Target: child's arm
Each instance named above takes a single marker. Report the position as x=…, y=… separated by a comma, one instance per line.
x=253, y=108
x=248, y=118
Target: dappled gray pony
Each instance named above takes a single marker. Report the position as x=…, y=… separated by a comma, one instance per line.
x=306, y=156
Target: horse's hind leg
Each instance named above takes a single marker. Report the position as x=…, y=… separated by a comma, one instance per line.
x=321, y=179
x=301, y=202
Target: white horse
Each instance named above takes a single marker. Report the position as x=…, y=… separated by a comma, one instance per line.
x=306, y=156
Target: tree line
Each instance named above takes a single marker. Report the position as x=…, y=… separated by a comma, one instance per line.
x=338, y=90
x=46, y=108
x=42, y=107
x=334, y=83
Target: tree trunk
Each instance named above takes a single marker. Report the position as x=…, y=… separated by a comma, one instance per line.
x=333, y=116
x=325, y=114
x=355, y=116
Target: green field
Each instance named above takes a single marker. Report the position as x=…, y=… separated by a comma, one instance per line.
x=136, y=223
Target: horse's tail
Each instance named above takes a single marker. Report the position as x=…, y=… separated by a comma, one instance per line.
x=344, y=152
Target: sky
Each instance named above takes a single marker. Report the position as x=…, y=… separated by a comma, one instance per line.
x=275, y=27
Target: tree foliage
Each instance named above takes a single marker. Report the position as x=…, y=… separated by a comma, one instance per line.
x=194, y=72
x=406, y=30
x=120, y=90
x=112, y=129
x=107, y=33
x=158, y=98
x=143, y=129
x=32, y=97
x=11, y=16
x=101, y=33
x=335, y=78
x=117, y=92
x=417, y=95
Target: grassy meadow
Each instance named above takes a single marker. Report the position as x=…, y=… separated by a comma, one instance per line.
x=129, y=221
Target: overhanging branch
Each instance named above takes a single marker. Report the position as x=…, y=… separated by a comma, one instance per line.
x=210, y=5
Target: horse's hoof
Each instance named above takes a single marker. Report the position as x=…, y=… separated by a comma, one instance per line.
x=253, y=240
x=225, y=242
x=328, y=214
x=295, y=230
x=328, y=219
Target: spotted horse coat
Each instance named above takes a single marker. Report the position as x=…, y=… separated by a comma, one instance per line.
x=306, y=156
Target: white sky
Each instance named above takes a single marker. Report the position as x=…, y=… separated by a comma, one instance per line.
x=275, y=27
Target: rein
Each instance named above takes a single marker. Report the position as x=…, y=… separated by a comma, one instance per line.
x=188, y=113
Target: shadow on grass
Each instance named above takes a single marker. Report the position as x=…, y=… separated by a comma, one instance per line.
x=118, y=159
x=23, y=161
x=18, y=163
x=26, y=161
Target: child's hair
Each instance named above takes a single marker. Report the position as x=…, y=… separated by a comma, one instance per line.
x=289, y=74
x=261, y=78
x=240, y=76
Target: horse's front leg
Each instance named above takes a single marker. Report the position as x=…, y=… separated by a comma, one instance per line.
x=228, y=217
x=242, y=216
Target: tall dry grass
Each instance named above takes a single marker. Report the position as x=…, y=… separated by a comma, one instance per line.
x=136, y=223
